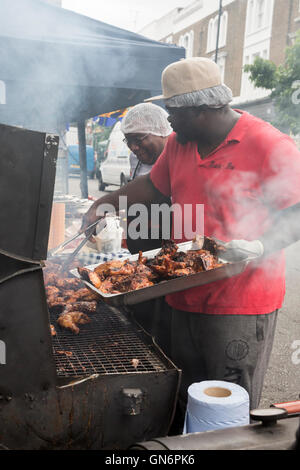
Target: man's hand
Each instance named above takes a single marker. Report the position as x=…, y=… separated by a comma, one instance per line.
x=237, y=250
x=89, y=218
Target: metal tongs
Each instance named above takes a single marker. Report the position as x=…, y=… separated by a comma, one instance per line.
x=57, y=249
x=88, y=230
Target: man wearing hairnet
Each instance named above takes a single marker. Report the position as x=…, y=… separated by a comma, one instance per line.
x=146, y=129
x=243, y=171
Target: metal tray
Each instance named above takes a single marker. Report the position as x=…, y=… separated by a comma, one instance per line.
x=170, y=286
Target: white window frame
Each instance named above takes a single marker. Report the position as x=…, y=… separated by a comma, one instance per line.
x=262, y=15
x=252, y=16
x=265, y=54
x=223, y=29
x=213, y=31
x=186, y=40
x=222, y=64
x=210, y=35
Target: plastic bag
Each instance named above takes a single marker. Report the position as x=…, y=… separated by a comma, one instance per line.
x=109, y=238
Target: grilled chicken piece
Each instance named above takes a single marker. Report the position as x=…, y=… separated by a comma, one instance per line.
x=142, y=259
x=55, y=303
x=70, y=320
x=80, y=294
x=105, y=268
x=135, y=362
x=50, y=279
x=52, y=291
x=169, y=248
x=107, y=287
x=66, y=353
x=85, y=307
x=119, y=283
x=177, y=268
x=127, y=269
x=90, y=296
x=201, y=260
x=69, y=283
x=52, y=330
x=91, y=276
x=139, y=282
x=211, y=246
x=95, y=279
x=123, y=276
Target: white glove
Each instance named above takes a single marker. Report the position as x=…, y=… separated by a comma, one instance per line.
x=241, y=249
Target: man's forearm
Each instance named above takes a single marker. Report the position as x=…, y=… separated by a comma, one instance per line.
x=141, y=190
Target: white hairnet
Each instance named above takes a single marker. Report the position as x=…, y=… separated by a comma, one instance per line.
x=146, y=118
x=214, y=97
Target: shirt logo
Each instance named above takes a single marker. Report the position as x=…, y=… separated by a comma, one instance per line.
x=213, y=164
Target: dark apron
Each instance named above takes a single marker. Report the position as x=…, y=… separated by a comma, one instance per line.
x=134, y=246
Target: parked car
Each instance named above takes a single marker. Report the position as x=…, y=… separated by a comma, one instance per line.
x=101, y=155
x=115, y=169
x=73, y=160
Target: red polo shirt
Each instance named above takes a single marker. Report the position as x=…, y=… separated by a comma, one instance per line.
x=253, y=172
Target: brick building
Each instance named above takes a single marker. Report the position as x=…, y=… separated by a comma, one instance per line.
x=248, y=28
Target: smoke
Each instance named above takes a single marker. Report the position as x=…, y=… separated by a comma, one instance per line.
x=244, y=204
x=58, y=67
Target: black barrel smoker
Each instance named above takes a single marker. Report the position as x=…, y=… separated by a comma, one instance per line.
x=47, y=401
x=277, y=430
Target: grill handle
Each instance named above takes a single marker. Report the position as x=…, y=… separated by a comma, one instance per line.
x=291, y=407
x=132, y=401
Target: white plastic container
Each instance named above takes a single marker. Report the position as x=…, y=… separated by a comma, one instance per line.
x=109, y=237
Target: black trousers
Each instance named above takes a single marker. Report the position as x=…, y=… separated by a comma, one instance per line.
x=234, y=348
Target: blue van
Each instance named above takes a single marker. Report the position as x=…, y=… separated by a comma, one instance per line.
x=73, y=160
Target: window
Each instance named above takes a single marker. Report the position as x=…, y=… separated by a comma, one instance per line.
x=250, y=16
x=200, y=43
x=187, y=41
x=223, y=29
x=260, y=13
x=221, y=63
x=256, y=15
x=257, y=54
x=212, y=33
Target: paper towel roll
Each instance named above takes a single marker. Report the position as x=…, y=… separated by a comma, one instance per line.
x=215, y=404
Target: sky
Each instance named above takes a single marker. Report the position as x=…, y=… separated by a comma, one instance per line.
x=127, y=14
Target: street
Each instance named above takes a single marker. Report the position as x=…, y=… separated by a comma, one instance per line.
x=282, y=382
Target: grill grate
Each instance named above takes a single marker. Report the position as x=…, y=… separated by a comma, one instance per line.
x=106, y=345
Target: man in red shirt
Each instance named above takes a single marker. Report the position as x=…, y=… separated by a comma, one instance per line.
x=243, y=171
